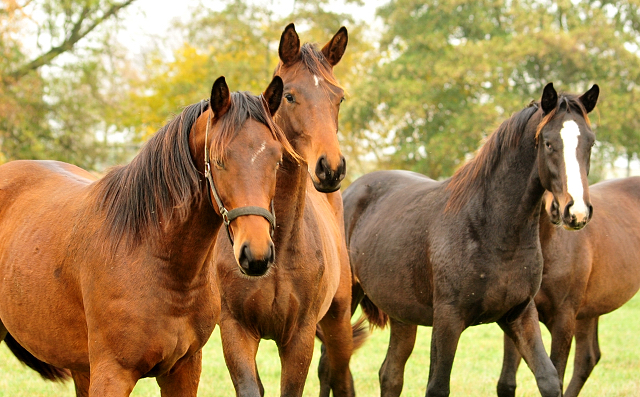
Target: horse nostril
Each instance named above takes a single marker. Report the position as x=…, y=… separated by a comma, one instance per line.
x=342, y=168
x=245, y=257
x=322, y=168
x=590, y=207
x=272, y=253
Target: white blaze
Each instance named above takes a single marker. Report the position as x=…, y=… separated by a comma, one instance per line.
x=316, y=79
x=255, y=155
x=569, y=134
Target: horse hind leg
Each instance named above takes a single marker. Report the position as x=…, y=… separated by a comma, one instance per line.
x=510, y=363
x=587, y=354
x=401, y=343
x=524, y=331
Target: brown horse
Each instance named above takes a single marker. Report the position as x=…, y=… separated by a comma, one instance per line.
x=310, y=281
x=586, y=274
x=466, y=251
x=111, y=278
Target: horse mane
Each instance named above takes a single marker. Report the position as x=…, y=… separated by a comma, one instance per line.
x=471, y=177
x=315, y=62
x=162, y=183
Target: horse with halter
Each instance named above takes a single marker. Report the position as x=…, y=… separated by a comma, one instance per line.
x=310, y=281
x=110, y=279
x=466, y=251
x=586, y=274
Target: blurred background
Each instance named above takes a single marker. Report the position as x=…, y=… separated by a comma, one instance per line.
x=88, y=81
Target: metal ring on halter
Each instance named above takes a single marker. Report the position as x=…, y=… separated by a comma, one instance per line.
x=229, y=216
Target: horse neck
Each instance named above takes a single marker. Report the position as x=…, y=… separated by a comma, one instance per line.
x=512, y=194
x=290, y=197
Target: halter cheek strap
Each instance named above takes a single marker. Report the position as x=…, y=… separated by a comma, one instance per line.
x=229, y=216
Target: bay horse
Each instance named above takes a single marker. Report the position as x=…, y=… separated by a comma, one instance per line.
x=310, y=281
x=110, y=278
x=585, y=275
x=465, y=251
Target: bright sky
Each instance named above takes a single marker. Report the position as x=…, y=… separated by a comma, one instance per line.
x=146, y=21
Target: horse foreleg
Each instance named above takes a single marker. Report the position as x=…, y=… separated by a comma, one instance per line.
x=295, y=357
x=338, y=343
x=239, y=347
x=524, y=331
x=447, y=327
x=510, y=363
x=183, y=380
x=109, y=378
x=562, y=331
x=81, y=381
x=401, y=343
x=587, y=354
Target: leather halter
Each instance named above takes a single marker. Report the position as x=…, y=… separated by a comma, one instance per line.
x=229, y=216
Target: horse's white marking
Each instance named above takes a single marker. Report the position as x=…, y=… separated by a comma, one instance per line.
x=257, y=153
x=569, y=134
x=317, y=79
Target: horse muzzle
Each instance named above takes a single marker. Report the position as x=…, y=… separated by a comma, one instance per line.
x=327, y=179
x=253, y=264
x=575, y=217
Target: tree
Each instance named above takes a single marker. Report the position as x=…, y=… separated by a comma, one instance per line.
x=239, y=42
x=450, y=71
x=51, y=108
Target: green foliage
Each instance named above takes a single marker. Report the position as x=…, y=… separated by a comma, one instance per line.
x=52, y=108
x=239, y=42
x=451, y=71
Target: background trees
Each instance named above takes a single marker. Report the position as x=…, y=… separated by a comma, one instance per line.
x=426, y=81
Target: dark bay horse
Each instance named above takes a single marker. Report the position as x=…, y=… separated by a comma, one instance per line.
x=466, y=251
x=111, y=278
x=585, y=275
x=310, y=281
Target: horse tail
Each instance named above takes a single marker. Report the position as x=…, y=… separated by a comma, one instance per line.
x=47, y=371
x=376, y=317
x=358, y=333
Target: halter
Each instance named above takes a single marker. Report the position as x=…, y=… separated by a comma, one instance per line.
x=229, y=216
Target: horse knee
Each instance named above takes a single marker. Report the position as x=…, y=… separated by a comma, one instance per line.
x=506, y=389
x=391, y=382
x=549, y=386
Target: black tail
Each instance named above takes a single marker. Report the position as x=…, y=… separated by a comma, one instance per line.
x=47, y=371
x=376, y=317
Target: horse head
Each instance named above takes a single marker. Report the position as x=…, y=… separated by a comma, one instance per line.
x=310, y=105
x=245, y=149
x=564, y=140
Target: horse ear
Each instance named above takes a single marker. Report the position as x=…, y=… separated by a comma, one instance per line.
x=334, y=49
x=220, y=97
x=289, y=49
x=273, y=94
x=549, y=98
x=590, y=98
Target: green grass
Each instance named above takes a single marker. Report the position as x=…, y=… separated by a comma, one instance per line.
x=475, y=371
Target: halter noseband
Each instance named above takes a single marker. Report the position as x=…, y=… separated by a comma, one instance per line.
x=229, y=216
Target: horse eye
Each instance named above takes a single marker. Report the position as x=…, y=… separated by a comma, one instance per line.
x=341, y=99
x=289, y=98
x=548, y=145
x=219, y=165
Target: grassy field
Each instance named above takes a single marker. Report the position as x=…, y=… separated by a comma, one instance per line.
x=475, y=370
